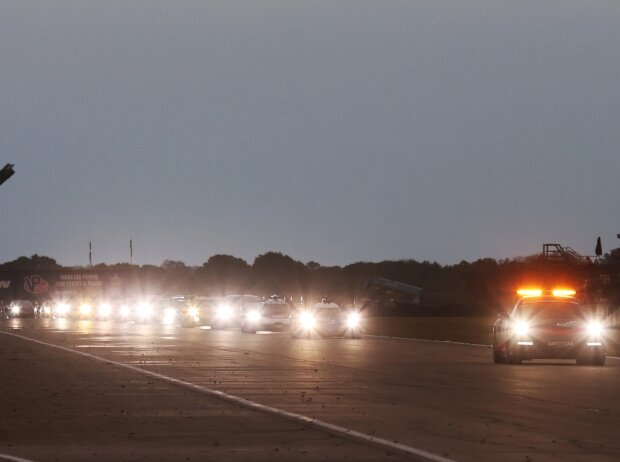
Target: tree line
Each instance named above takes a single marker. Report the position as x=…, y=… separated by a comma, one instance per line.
x=484, y=285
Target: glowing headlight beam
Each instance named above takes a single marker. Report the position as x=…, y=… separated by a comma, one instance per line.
x=105, y=310
x=170, y=315
x=85, y=309
x=521, y=328
x=192, y=311
x=595, y=328
x=253, y=316
x=353, y=320
x=224, y=312
x=62, y=309
x=145, y=310
x=307, y=320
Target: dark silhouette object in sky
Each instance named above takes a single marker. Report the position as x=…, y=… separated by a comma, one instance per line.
x=6, y=172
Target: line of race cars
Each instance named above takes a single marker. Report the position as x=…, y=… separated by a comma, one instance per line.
x=249, y=313
x=544, y=324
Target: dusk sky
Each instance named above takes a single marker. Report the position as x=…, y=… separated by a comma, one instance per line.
x=334, y=131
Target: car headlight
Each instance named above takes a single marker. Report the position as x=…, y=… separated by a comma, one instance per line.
x=15, y=309
x=62, y=308
x=595, y=328
x=521, y=328
x=353, y=320
x=224, y=312
x=85, y=308
x=105, y=309
x=192, y=311
x=307, y=320
x=145, y=310
x=253, y=315
x=169, y=315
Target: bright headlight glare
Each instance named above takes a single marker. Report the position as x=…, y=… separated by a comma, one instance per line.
x=353, y=320
x=145, y=310
x=105, y=309
x=192, y=311
x=125, y=311
x=169, y=315
x=85, y=308
x=15, y=309
x=253, y=315
x=307, y=320
x=224, y=312
x=521, y=327
x=595, y=328
x=62, y=308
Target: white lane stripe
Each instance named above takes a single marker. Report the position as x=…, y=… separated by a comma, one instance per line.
x=13, y=458
x=336, y=430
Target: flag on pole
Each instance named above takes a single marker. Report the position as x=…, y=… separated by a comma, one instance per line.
x=130, y=251
x=90, y=253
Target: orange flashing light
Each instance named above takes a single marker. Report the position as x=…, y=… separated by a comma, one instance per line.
x=530, y=292
x=563, y=292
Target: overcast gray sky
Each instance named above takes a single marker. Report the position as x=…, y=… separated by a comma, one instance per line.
x=333, y=131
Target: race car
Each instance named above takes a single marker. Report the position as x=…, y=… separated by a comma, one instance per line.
x=229, y=312
x=61, y=309
x=180, y=309
x=327, y=320
x=273, y=314
x=45, y=310
x=105, y=311
x=549, y=325
x=20, y=309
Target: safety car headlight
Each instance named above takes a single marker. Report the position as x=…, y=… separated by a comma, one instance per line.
x=253, y=315
x=521, y=328
x=353, y=320
x=15, y=309
x=307, y=320
x=595, y=328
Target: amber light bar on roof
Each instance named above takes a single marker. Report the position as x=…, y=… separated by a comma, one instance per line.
x=540, y=292
x=563, y=292
x=530, y=292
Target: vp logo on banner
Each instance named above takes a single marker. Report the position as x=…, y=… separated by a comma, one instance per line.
x=35, y=284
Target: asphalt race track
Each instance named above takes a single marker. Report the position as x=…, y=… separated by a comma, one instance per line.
x=448, y=401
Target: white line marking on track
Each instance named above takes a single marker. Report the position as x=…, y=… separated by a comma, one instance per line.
x=336, y=430
x=13, y=458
